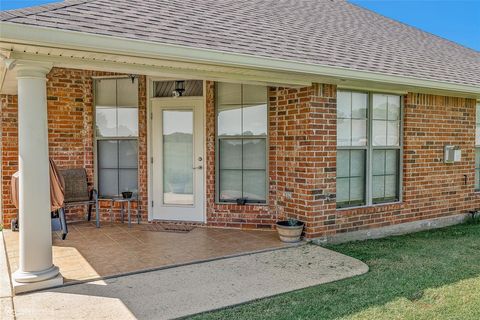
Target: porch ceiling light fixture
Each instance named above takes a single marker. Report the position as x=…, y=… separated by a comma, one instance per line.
x=179, y=88
x=132, y=77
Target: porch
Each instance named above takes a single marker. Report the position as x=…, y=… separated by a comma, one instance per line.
x=114, y=249
x=129, y=135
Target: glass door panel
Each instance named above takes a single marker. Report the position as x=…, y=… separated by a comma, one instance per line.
x=178, y=154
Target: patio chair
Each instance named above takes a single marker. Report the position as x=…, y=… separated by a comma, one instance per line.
x=78, y=192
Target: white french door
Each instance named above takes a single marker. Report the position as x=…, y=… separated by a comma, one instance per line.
x=178, y=159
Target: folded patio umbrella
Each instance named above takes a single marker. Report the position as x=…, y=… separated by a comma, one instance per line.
x=57, y=188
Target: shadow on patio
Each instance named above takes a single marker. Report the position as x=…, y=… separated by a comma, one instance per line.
x=114, y=249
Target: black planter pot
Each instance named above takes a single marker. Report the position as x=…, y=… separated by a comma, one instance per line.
x=127, y=194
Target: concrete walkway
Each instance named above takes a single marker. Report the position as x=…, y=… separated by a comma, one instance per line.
x=6, y=303
x=186, y=290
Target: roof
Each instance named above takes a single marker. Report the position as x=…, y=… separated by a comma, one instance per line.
x=322, y=32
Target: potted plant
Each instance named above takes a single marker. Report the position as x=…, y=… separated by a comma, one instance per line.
x=290, y=230
x=127, y=194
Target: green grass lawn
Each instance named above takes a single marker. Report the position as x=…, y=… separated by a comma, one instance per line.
x=427, y=275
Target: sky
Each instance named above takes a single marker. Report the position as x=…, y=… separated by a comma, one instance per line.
x=456, y=20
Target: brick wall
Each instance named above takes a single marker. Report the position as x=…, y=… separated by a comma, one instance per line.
x=431, y=188
x=302, y=156
x=142, y=148
x=9, y=155
x=302, y=144
x=301, y=160
x=70, y=135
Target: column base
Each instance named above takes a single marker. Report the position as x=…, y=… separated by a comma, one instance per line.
x=35, y=276
x=22, y=287
x=31, y=281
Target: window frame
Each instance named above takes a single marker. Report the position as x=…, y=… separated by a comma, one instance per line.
x=97, y=138
x=242, y=138
x=365, y=149
x=369, y=148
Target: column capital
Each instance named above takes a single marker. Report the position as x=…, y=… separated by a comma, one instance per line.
x=30, y=68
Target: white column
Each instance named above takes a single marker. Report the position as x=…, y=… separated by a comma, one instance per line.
x=35, y=255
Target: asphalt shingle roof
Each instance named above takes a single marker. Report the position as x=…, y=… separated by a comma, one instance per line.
x=323, y=32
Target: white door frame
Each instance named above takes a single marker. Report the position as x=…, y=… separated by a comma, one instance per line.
x=150, y=99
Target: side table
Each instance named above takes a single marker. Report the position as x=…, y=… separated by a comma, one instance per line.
x=122, y=202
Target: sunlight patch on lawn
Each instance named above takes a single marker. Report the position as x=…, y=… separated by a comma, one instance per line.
x=460, y=300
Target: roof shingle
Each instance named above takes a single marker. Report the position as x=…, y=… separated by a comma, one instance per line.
x=324, y=32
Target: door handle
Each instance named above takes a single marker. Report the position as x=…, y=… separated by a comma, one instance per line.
x=199, y=167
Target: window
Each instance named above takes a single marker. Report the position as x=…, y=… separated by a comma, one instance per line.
x=116, y=132
x=477, y=149
x=368, y=148
x=241, y=143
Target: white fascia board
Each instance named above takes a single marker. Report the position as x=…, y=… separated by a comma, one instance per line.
x=165, y=69
x=19, y=33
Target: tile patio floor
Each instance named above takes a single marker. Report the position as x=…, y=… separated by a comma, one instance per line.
x=114, y=249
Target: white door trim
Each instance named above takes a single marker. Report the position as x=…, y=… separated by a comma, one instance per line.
x=201, y=101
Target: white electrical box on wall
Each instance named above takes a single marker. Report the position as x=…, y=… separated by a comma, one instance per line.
x=452, y=154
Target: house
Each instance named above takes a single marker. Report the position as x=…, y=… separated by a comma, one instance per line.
x=236, y=114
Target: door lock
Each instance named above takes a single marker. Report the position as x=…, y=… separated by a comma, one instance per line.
x=199, y=167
